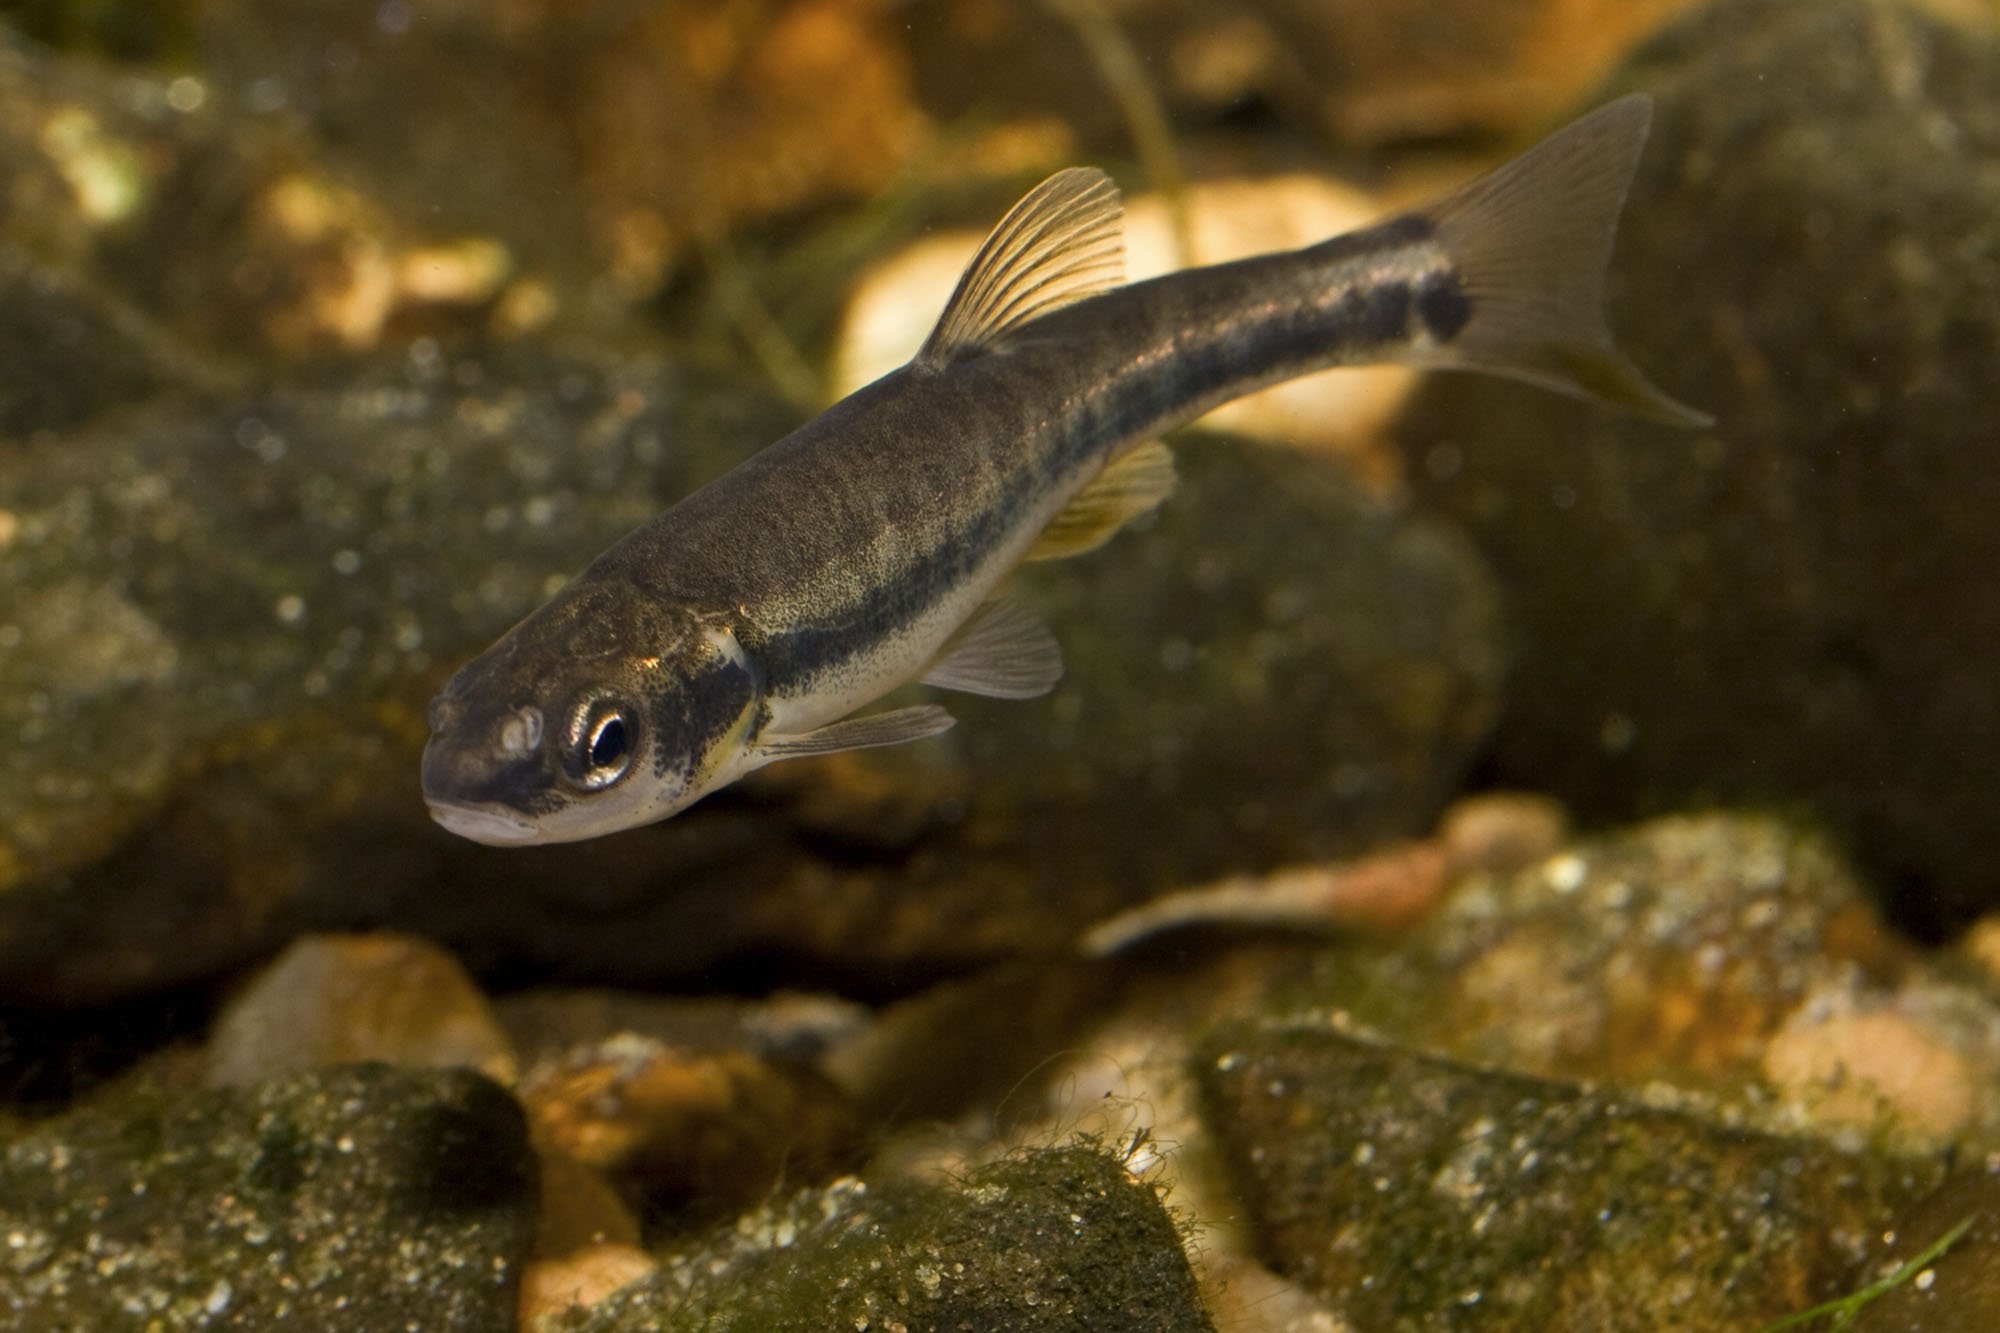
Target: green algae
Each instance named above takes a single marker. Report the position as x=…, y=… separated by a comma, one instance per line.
x=360, y=1197
x=1061, y=1238
x=1421, y=1194
x=1842, y=1312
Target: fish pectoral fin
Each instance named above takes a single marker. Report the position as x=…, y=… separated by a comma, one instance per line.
x=857, y=733
x=1133, y=484
x=1003, y=652
x=1063, y=241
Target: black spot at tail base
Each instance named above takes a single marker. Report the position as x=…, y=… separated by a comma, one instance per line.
x=1443, y=306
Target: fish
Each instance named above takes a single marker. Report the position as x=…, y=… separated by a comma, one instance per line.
x=757, y=619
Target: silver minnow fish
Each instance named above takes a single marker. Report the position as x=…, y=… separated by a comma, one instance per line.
x=750, y=622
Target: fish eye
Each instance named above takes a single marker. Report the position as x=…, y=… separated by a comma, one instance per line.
x=607, y=743
x=601, y=744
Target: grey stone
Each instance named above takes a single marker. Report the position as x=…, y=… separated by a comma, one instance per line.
x=1796, y=609
x=233, y=586
x=1062, y=1238
x=220, y=628
x=226, y=625
x=1961, y=1287
x=1420, y=1194
x=361, y=1197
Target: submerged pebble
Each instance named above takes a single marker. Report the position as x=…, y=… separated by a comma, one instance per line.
x=329, y=1000
x=1061, y=1238
x=689, y=1132
x=1723, y=954
x=1417, y=1193
x=365, y=1197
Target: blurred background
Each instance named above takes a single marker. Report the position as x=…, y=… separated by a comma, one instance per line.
x=335, y=335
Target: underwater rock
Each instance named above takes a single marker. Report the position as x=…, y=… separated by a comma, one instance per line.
x=1421, y=1194
x=596, y=142
x=1923, y=1061
x=1796, y=609
x=81, y=163
x=579, y=1279
x=793, y=1026
x=343, y=999
x=364, y=1197
x=69, y=351
x=1981, y=946
x=1960, y=1289
x=686, y=1132
x=222, y=628
x=1728, y=955
x=1680, y=944
x=1062, y=1238
x=1356, y=72
x=158, y=233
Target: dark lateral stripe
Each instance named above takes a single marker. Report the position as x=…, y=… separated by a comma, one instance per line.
x=1378, y=313
x=795, y=659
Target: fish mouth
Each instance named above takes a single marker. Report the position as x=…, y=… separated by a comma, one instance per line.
x=484, y=824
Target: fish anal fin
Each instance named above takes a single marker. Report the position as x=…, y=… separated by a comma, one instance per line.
x=1061, y=243
x=1003, y=652
x=857, y=733
x=1132, y=484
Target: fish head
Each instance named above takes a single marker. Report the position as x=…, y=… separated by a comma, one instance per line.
x=602, y=711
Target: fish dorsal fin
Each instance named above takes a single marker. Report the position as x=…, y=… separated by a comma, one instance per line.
x=1061, y=243
x=1133, y=484
x=1003, y=652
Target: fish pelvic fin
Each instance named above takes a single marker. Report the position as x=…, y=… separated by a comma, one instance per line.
x=1063, y=242
x=1003, y=652
x=1132, y=484
x=1530, y=242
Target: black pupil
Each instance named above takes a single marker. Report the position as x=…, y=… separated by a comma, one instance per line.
x=607, y=747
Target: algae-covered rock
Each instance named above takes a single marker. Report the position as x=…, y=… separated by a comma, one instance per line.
x=1961, y=1287
x=228, y=601
x=1678, y=944
x=1729, y=954
x=220, y=627
x=71, y=352
x=598, y=141
x=1062, y=1238
x=362, y=1197
x=81, y=164
x=1796, y=607
x=159, y=234
x=687, y=1132
x=1279, y=667
x=223, y=628
x=1420, y=1194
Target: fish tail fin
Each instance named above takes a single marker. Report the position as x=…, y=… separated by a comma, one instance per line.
x=1531, y=241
